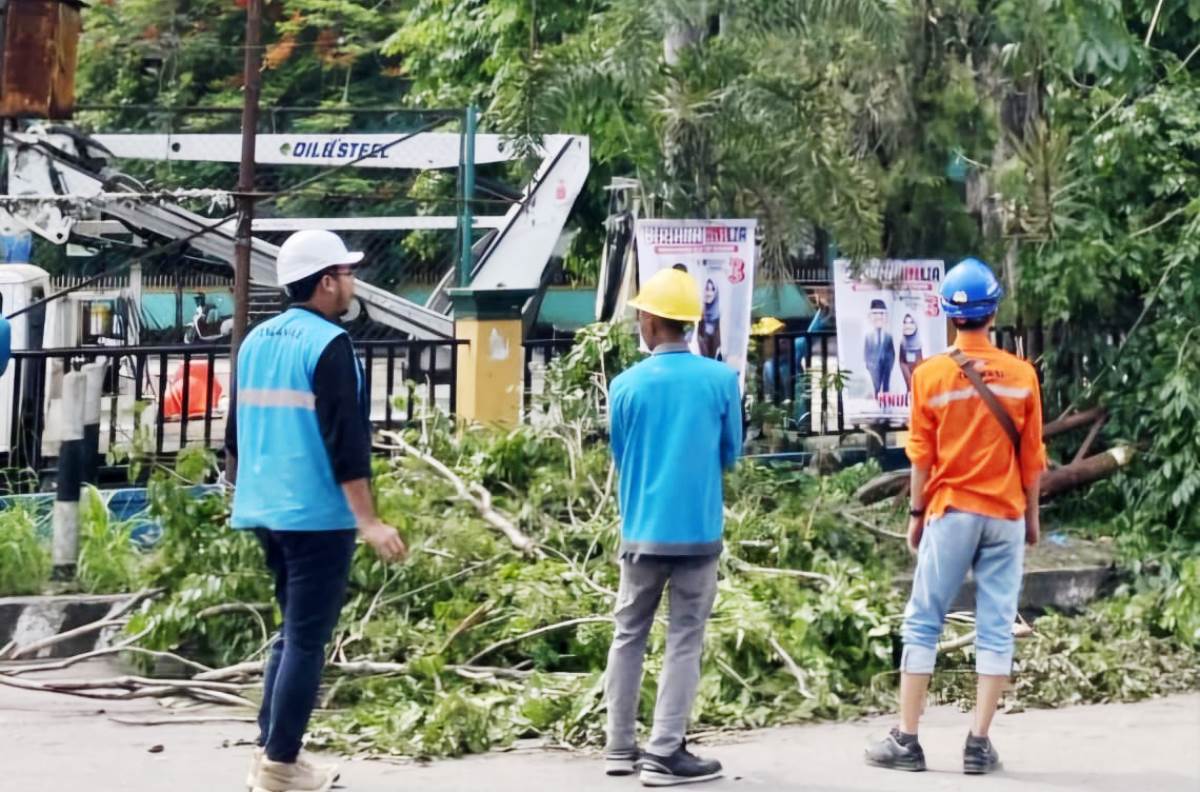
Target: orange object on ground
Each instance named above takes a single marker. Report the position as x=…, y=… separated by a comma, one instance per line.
x=197, y=392
x=953, y=433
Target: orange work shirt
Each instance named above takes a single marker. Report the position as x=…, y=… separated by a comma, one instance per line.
x=973, y=465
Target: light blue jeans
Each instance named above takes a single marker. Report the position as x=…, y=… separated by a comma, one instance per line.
x=955, y=542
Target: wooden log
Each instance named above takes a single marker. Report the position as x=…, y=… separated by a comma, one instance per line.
x=1073, y=421
x=896, y=482
x=1085, y=471
x=884, y=486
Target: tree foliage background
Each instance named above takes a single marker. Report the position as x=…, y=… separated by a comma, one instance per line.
x=1058, y=138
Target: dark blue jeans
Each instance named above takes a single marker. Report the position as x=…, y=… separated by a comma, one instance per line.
x=311, y=569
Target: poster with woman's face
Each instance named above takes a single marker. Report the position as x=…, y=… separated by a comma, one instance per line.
x=719, y=255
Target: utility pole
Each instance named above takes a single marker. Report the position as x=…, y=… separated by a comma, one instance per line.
x=251, y=78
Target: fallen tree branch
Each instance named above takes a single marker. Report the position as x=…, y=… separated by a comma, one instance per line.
x=466, y=624
x=1020, y=629
x=791, y=666
x=534, y=633
x=131, y=687
x=581, y=573
x=884, y=486
x=46, y=643
x=251, y=668
x=181, y=721
x=1069, y=421
x=124, y=646
x=1089, y=439
x=870, y=526
x=743, y=566
x=235, y=607
x=949, y=645
x=448, y=578
x=368, y=668
x=473, y=494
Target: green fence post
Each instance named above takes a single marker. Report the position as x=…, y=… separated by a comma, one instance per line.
x=468, y=194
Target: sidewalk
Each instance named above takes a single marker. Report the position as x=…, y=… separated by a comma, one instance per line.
x=54, y=743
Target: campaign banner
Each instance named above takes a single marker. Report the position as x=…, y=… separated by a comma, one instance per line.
x=720, y=256
x=889, y=319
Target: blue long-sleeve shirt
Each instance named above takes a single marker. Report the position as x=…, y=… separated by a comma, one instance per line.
x=676, y=423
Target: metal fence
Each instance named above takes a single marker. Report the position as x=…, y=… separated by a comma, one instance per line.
x=157, y=400
x=539, y=353
x=798, y=373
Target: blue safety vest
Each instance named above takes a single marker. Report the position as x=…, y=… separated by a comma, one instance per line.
x=285, y=480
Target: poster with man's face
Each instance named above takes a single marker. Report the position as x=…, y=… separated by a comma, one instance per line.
x=720, y=256
x=889, y=320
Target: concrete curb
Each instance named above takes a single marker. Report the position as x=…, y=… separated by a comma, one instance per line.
x=25, y=620
x=1068, y=590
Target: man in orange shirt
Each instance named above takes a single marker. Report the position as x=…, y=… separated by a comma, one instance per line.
x=976, y=459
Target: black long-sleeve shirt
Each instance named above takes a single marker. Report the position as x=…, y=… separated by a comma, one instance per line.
x=344, y=422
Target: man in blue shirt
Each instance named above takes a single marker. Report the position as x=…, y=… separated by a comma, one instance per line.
x=299, y=447
x=676, y=425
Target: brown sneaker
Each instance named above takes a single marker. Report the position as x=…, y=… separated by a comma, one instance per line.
x=299, y=776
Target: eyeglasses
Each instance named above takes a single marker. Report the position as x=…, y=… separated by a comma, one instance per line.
x=339, y=272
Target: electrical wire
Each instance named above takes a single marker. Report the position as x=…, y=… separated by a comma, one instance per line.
x=216, y=227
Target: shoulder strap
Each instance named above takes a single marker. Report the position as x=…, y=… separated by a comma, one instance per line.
x=989, y=398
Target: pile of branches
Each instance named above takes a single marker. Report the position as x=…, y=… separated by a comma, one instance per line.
x=497, y=628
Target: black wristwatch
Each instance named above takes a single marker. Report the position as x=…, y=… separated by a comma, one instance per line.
x=916, y=512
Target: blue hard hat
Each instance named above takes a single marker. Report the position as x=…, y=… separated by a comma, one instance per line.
x=971, y=290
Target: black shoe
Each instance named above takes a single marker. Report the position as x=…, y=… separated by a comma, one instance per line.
x=681, y=767
x=622, y=762
x=894, y=755
x=979, y=756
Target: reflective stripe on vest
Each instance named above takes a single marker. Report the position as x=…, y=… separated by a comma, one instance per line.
x=261, y=397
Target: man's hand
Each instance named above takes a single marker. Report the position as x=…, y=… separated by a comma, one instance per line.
x=916, y=527
x=384, y=540
x=1033, y=529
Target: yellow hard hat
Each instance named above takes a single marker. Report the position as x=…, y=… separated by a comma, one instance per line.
x=768, y=325
x=671, y=294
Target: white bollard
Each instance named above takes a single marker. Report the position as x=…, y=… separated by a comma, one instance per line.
x=66, y=500
x=94, y=372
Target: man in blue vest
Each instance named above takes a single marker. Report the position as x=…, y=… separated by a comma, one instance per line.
x=676, y=424
x=299, y=445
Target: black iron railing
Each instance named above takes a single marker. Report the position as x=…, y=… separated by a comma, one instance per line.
x=161, y=399
x=538, y=354
x=798, y=372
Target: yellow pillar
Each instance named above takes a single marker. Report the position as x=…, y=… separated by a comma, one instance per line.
x=491, y=364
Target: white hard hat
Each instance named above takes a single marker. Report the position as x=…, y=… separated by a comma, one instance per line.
x=308, y=252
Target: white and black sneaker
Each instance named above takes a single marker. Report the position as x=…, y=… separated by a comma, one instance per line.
x=979, y=756
x=681, y=767
x=622, y=762
x=897, y=752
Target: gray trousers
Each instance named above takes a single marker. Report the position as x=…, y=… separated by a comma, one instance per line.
x=693, y=587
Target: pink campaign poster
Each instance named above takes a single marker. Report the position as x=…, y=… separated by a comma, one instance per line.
x=889, y=319
x=720, y=256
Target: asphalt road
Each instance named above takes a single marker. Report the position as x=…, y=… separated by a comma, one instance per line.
x=55, y=743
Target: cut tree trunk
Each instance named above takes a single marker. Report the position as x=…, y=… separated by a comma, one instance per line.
x=1085, y=471
x=1054, y=482
x=884, y=486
